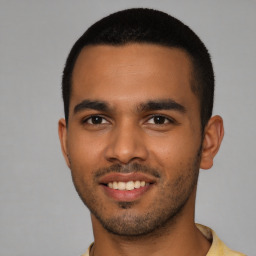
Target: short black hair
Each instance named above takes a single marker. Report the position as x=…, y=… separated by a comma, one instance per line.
x=140, y=25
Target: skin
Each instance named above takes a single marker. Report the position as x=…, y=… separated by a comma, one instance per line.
x=163, y=141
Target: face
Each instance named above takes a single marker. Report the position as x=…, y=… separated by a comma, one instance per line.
x=134, y=135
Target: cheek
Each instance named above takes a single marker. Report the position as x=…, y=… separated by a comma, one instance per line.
x=85, y=153
x=174, y=151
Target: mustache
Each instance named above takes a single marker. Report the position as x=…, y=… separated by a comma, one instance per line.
x=129, y=168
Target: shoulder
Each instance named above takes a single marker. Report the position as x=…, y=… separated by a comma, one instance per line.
x=88, y=251
x=218, y=248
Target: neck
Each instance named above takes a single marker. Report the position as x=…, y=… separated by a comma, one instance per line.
x=179, y=236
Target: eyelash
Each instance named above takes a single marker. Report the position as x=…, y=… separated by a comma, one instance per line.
x=85, y=121
x=168, y=119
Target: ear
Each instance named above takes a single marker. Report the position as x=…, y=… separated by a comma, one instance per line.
x=213, y=135
x=62, y=129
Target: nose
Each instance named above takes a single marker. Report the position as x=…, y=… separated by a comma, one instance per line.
x=126, y=144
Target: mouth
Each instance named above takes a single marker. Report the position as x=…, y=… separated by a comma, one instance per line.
x=130, y=185
x=126, y=187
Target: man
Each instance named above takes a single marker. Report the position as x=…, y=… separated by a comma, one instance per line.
x=138, y=92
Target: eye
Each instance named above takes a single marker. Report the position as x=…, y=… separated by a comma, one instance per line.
x=94, y=120
x=158, y=120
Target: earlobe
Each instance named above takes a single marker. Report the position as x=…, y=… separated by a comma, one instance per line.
x=62, y=129
x=213, y=135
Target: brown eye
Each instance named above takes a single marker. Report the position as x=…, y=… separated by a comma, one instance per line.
x=96, y=120
x=159, y=120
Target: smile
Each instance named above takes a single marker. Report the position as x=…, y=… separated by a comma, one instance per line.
x=130, y=185
x=126, y=187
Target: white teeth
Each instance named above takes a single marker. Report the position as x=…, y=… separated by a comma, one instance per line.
x=130, y=185
x=121, y=185
x=115, y=185
x=137, y=184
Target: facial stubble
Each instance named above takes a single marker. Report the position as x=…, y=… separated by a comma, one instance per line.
x=163, y=212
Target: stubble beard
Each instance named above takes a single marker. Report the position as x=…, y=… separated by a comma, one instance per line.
x=162, y=213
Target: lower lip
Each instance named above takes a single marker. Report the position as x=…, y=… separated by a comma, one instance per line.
x=126, y=195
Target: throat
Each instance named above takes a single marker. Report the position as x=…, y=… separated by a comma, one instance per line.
x=175, y=240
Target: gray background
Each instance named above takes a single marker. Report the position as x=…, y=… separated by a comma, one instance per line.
x=41, y=213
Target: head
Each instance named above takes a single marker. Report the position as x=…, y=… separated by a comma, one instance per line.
x=138, y=92
x=152, y=27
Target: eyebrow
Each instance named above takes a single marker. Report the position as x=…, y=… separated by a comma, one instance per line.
x=152, y=105
x=164, y=104
x=91, y=104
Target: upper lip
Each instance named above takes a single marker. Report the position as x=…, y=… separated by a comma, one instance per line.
x=125, y=177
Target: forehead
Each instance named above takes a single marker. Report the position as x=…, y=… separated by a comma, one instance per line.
x=130, y=72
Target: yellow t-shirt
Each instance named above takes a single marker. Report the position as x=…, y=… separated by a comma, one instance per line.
x=218, y=248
